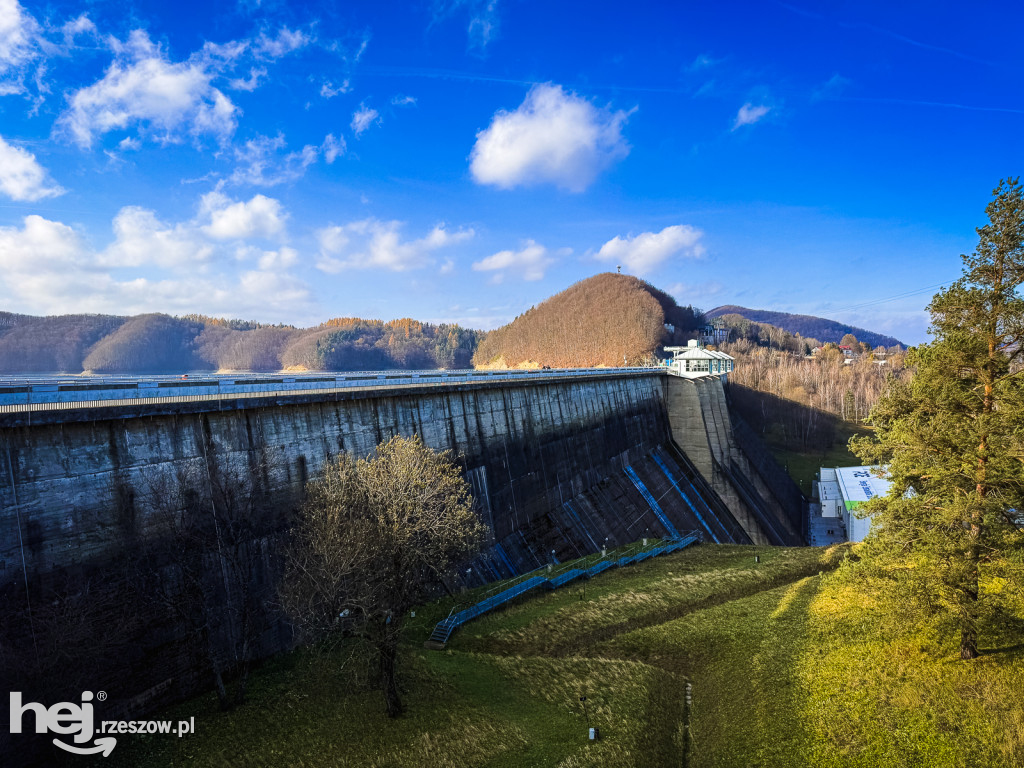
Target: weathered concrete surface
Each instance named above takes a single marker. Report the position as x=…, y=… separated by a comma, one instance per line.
x=701, y=426
x=526, y=451
x=68, y=488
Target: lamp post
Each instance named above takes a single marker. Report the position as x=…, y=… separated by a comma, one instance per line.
x=592, y=731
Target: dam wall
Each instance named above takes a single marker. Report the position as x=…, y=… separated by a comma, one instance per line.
x=70, y=486
x=151, y=535
x=702, y=426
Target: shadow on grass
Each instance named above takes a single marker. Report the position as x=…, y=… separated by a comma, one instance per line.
x=742, y=659
x=1003, y=650
x=582, y=642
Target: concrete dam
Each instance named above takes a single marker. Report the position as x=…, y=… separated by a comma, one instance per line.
x=560, y=464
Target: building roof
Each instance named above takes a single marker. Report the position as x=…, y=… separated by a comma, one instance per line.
x=860, y=484
x=697, y=353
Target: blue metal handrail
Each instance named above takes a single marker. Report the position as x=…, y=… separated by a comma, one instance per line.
x=671, y=479
x=443, y=631
x=651, y=502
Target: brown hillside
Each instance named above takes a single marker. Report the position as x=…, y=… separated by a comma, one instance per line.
x=157, y=343
x=50, y=344
x=602, y=320
x=153, y=343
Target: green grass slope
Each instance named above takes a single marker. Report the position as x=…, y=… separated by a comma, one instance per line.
x=787, y=668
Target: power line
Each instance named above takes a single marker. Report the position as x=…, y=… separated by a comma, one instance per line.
x=904, y=295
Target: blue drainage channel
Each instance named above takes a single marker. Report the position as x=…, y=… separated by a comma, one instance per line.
x=651, y=502
x=534, y=580
x=671, y=479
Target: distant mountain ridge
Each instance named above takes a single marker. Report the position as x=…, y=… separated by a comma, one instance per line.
x=807, y=326
x=158, y=343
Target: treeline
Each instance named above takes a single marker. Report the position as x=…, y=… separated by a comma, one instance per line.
x=157, y=343
x=49, y=344
x=766, y=335
x=807, y=326
x=608, y=319
x=825, y=382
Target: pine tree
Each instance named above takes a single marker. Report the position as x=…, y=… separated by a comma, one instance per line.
x=953, y=439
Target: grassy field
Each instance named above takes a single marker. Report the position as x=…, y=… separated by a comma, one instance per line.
x=787, y=668
x=803, y=467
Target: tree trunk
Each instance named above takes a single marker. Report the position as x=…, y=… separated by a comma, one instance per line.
x=968, y=643
x=969, y=621
x=222, y=692
x=242, y=684
x=969, y=612
x=223, y=700
x=388, y=650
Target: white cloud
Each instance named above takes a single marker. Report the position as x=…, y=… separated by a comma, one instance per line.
x=26, y=45
x=282, y=258
x=252, y=82
x=142, y=240
x=286, y=41
x=329, y=90
x=82, y=25
x=42, y=245
x=374, y=244
x=261, y=163
x=483, y=20
x=18, y=34
x=483, y=24
x=750, y=114
x=259, y=217
x=690, y=293
x=49, y=269
x=143, y=88
x=363, y=118
x=403, y=101
x=648, y=250
x=215, y=57
x=21, y=177
x=553, y=137
x=332, y=147
x=531, y=261
x=703, y=61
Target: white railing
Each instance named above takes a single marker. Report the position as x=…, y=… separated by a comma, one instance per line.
x=30, y=394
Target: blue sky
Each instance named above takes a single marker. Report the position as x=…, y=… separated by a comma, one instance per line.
x=461, y=160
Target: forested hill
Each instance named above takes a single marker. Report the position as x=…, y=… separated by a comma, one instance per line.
x=162, y=344
x=807, y=326
x=604, y=320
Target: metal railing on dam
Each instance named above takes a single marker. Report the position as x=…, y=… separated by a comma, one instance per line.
x=31, y=394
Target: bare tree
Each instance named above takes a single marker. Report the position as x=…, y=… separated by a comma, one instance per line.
x=374, y=537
